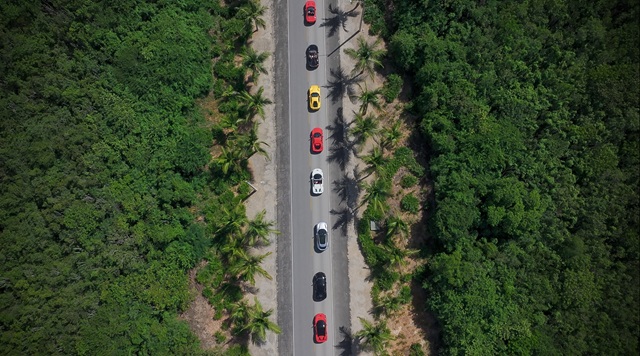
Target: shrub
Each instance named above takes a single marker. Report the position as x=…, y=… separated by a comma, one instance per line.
x=405, y=156
x=211, y=275
x=416, y=350
x=244, y=189
x=410, y=203
x=217, y=316
x=220, y=337
x=386, y=278
x=405, y=295
x=392, y=88
x=374, y=16
x=409, y=180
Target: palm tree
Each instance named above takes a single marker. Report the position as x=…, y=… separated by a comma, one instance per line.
x=397, y=256
x=234, y=251
x=254, y=103
x=366, y=55
x=248, y=267
x=388, y=304
x=240, y=315
x=231, y=122
x=394, y=226
x=376, y=195
x=369, y=97
x=374, y=336
x=364, y=127
x=258, y=230
x=374, y=160
x=230, y=160
x=231, y=222
x=253, y=12
x=251, y=144
x=258, y=322
x=254, y=61
x=391, y=135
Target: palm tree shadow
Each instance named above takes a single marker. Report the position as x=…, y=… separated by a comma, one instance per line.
x=342, y=148
x=346, y=216
x=257, y=342
x=348, y=343
x=348, y=189
x=341, y=83
x=339, y=19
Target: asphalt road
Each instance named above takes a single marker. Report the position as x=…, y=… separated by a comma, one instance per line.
x=298, y=210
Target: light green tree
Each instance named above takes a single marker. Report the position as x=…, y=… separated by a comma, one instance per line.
x=254, y=62
x=259, y=323
x=253, y=12
x=366, y=55
x=374, y=337
x=258, y=230
x=369, y=98
x=254, y=104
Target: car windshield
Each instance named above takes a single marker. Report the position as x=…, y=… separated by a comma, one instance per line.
x=316, y=135
x=322, y=236
x=322, y=328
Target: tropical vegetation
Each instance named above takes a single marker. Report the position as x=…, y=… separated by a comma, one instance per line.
x=529, y=117
x=109, y=193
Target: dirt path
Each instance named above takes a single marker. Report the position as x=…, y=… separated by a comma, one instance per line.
x=264, y=173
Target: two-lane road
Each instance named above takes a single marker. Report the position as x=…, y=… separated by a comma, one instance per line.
x=298, y=210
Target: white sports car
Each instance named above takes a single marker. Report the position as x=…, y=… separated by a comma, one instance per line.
x=316, y=181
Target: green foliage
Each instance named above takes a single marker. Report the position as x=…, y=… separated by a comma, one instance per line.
x=410, y=203
x=529, y=111
x=103, y=158
x=416, y=350
x=220, y=337
x=374, y=15
x=408, y=181
x=392, y=87
x=386, y=278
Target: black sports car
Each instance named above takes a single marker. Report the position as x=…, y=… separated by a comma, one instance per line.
x=312, y=56
x=319, y=286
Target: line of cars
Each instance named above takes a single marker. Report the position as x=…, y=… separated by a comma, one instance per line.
x=316, y=138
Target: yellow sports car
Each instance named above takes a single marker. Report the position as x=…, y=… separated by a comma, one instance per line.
x=314, y=97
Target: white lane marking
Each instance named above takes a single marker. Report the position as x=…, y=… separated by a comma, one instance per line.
x=330, y=177
x=293, y=331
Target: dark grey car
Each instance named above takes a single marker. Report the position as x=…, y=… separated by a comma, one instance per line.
x=319, y=286
x=312, y=57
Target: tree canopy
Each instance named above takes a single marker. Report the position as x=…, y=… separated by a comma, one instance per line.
x=530, y=114
x=102, y=157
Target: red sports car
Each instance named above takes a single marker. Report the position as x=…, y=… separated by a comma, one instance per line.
x=310, y=12
x=317, y=139
x=320, y=328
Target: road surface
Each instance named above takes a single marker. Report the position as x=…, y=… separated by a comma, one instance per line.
x=298, y=210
